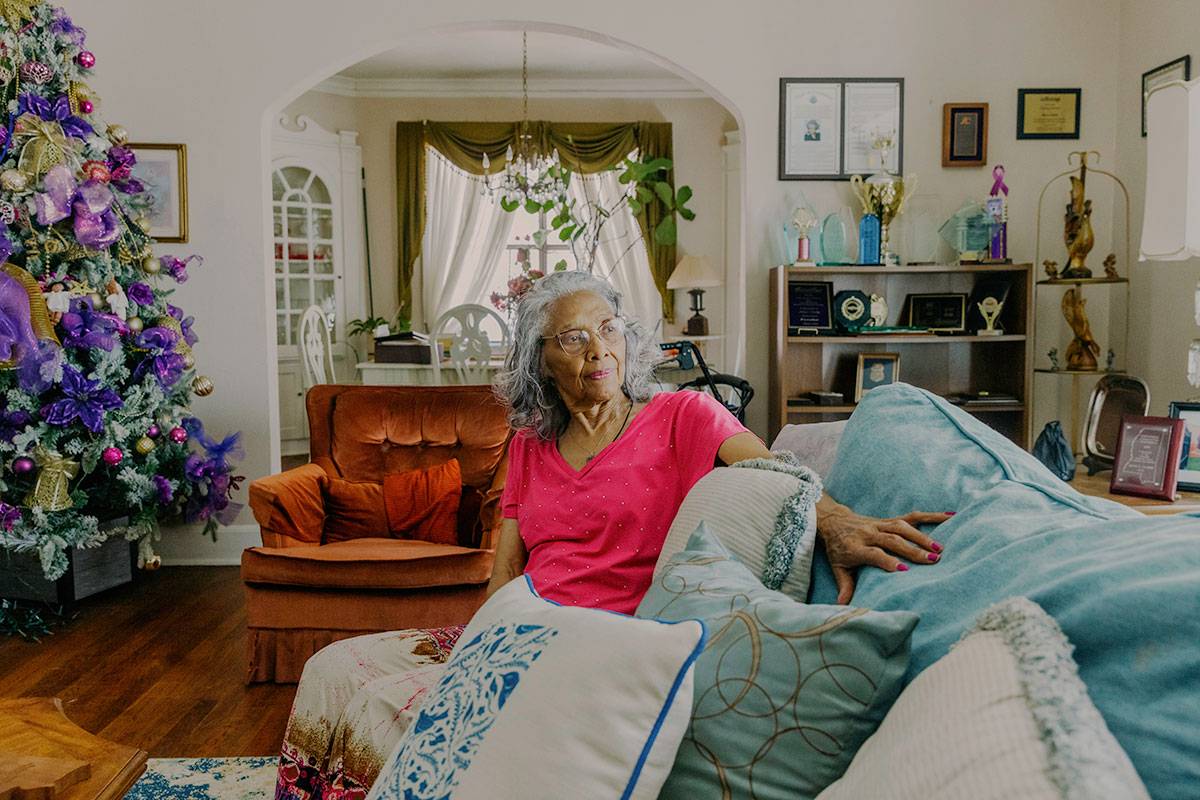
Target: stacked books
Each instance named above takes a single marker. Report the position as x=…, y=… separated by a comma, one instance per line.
x=403, y=348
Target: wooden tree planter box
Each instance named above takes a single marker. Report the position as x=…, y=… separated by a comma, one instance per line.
x=90, y=570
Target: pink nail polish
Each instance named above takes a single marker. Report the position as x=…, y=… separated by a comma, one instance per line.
x=935, y=546
x=932, y=556
x=950, y=513
x=902, y=568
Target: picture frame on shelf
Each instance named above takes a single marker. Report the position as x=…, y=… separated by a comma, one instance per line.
x=1147, y=459
x=163, y=170
x=964, y=134
x=944, y=312
x=826, y=126
x=810, y=308
x=1180, y=69
x=1189, y=459
x=1048, y=113
x=875, y=370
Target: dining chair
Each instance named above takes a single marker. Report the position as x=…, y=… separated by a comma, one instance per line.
x=316, y=349
x=471, y=349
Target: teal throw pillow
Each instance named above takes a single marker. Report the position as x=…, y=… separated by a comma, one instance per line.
x=785, y=693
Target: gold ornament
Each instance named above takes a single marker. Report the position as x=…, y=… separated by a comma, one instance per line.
x=152, y=563
x=181, y=345
x=202, y=386
x=124, y=254
x=77, y=92
x=151, y=265
x=54, y=247
x=16, y=12
x=39, y=315
x=97, y=300
x=118, y=135
x=52, y=489
x=47, y=145
x=134, y=324
x=143, y=222
x=144, y=445
x=13, y=180
x=188, y=361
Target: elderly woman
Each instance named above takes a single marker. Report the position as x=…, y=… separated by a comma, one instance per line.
x=597, y=470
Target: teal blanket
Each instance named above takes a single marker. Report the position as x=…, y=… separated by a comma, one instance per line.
x=1124, y=587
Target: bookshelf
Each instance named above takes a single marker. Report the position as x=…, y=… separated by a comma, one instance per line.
x=942, y=364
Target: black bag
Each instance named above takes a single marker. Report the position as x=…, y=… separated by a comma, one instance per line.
x=1051, y=449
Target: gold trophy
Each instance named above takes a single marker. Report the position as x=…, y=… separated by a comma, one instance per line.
x=884, y=194
x=989, y=309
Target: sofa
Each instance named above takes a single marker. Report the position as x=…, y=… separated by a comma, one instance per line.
x=304, y=590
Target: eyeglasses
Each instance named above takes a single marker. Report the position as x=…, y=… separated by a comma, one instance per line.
x=577, y=340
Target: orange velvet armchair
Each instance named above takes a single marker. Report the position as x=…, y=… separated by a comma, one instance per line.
x=303, y=592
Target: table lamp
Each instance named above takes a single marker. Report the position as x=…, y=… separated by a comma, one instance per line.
x=695, y=273
x=1171, y=224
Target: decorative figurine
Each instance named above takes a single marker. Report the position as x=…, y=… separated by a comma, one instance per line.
x=1110, y=360
x=1077, y=232
x=1083, y=349
x=879, y=311
x=1051, y=268
x=1110, y=267
x=58, y=302
x=997, y=209
x=1053, y=355
x=118, y=303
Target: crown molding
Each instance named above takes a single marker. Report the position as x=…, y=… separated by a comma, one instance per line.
x=557, y=88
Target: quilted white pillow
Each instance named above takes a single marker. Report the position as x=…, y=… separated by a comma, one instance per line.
x=1003, y=715
x=741, y=507
x=546, y=701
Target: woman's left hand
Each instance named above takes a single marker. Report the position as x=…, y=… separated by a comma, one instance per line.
x=852, y=541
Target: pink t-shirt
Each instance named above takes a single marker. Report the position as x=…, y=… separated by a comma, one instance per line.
x=594, y=535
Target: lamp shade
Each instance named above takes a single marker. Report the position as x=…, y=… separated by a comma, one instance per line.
x=1171, y=224
x=694, y=272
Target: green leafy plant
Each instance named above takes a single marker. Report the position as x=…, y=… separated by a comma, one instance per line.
x=357, y=327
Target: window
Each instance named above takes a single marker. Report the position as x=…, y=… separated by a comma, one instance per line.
x=304, y=268
x=521, y=252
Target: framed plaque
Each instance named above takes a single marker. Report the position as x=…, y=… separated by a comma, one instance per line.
x=937, y=312
x=810, y=307
x=826, y=126
x=964, y=134
x=1178, y=70
x=1048, y=113
x=851, y=310
x=875, y=370
x=1189, y=459
x=1147, y=460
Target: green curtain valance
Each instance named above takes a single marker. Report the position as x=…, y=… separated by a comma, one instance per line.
x=585, y=147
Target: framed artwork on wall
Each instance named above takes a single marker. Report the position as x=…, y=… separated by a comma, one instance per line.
x=1189, y=460
x=964, y=134
x=1178, y=70
x=827, y=127
x=1048, y=113
x=163, y=170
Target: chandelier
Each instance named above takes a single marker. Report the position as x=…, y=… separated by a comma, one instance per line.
x=529, y=175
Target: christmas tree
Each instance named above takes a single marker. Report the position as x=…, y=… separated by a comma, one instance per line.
x=96, y=367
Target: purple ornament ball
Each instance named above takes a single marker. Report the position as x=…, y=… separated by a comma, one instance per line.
x=153, y=431
x=178, y=435
x=112, y=456
x=86, y=59
x=23, y=465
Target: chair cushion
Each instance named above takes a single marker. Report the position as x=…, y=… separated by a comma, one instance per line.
x=1122, y=586
x=372, y=563
x=423, y=503
x=353, y=510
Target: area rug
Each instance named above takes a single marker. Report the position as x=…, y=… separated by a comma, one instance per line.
x=206, y=779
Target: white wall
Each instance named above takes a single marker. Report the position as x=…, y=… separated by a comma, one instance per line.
x=1162, y=324
x=208, y=73
x=698, y=126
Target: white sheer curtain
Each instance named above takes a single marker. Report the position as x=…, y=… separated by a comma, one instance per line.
x=621, y=256
x=465, y=234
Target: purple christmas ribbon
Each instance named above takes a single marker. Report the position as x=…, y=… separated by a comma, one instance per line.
x=88, y=329
x=96, y=224
x=59, y=111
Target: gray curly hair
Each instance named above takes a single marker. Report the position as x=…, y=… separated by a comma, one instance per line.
x=533, y=401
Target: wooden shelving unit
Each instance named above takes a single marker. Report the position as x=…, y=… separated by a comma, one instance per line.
x=942, y=364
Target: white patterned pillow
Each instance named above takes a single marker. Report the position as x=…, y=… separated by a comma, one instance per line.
x=1003, y=715
x=741, y=508
x=546, y=701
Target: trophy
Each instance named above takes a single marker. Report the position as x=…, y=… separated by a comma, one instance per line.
x=805, y=220
x=997, y=211
x=883, y=194
x=989, y=309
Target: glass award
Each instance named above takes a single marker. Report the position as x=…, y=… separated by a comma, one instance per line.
x=833, y=251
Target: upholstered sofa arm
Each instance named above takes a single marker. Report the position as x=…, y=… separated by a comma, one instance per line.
x=290, y=506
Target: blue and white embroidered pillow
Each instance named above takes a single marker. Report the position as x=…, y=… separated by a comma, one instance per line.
x=546, y=701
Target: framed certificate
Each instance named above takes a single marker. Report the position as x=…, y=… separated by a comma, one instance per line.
x=1147, y=460
x=1048, y=113
x=1178, y=70
x=826, y=126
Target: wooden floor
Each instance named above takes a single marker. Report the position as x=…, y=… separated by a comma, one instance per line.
x=158, y=665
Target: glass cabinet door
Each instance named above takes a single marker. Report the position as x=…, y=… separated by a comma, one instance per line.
x=305, y=272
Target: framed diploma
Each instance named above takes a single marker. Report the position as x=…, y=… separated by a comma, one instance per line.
x=810, y=307
x=826, y=126
x=1048, y=113
x=1147, y=460
x=1178, y=70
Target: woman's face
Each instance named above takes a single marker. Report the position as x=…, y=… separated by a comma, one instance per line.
x=595, y=374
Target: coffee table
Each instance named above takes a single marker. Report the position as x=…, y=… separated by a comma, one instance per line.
x=36, y=732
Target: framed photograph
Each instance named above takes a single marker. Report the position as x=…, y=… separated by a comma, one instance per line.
x=1048, y=113
x=937, y=312
x=1178, y=70
x=163, y=169
x=875, y=370
x=1189, y=459
x=827, y=125
x=1147, y=460
x=964, y=134
x=810, y=307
